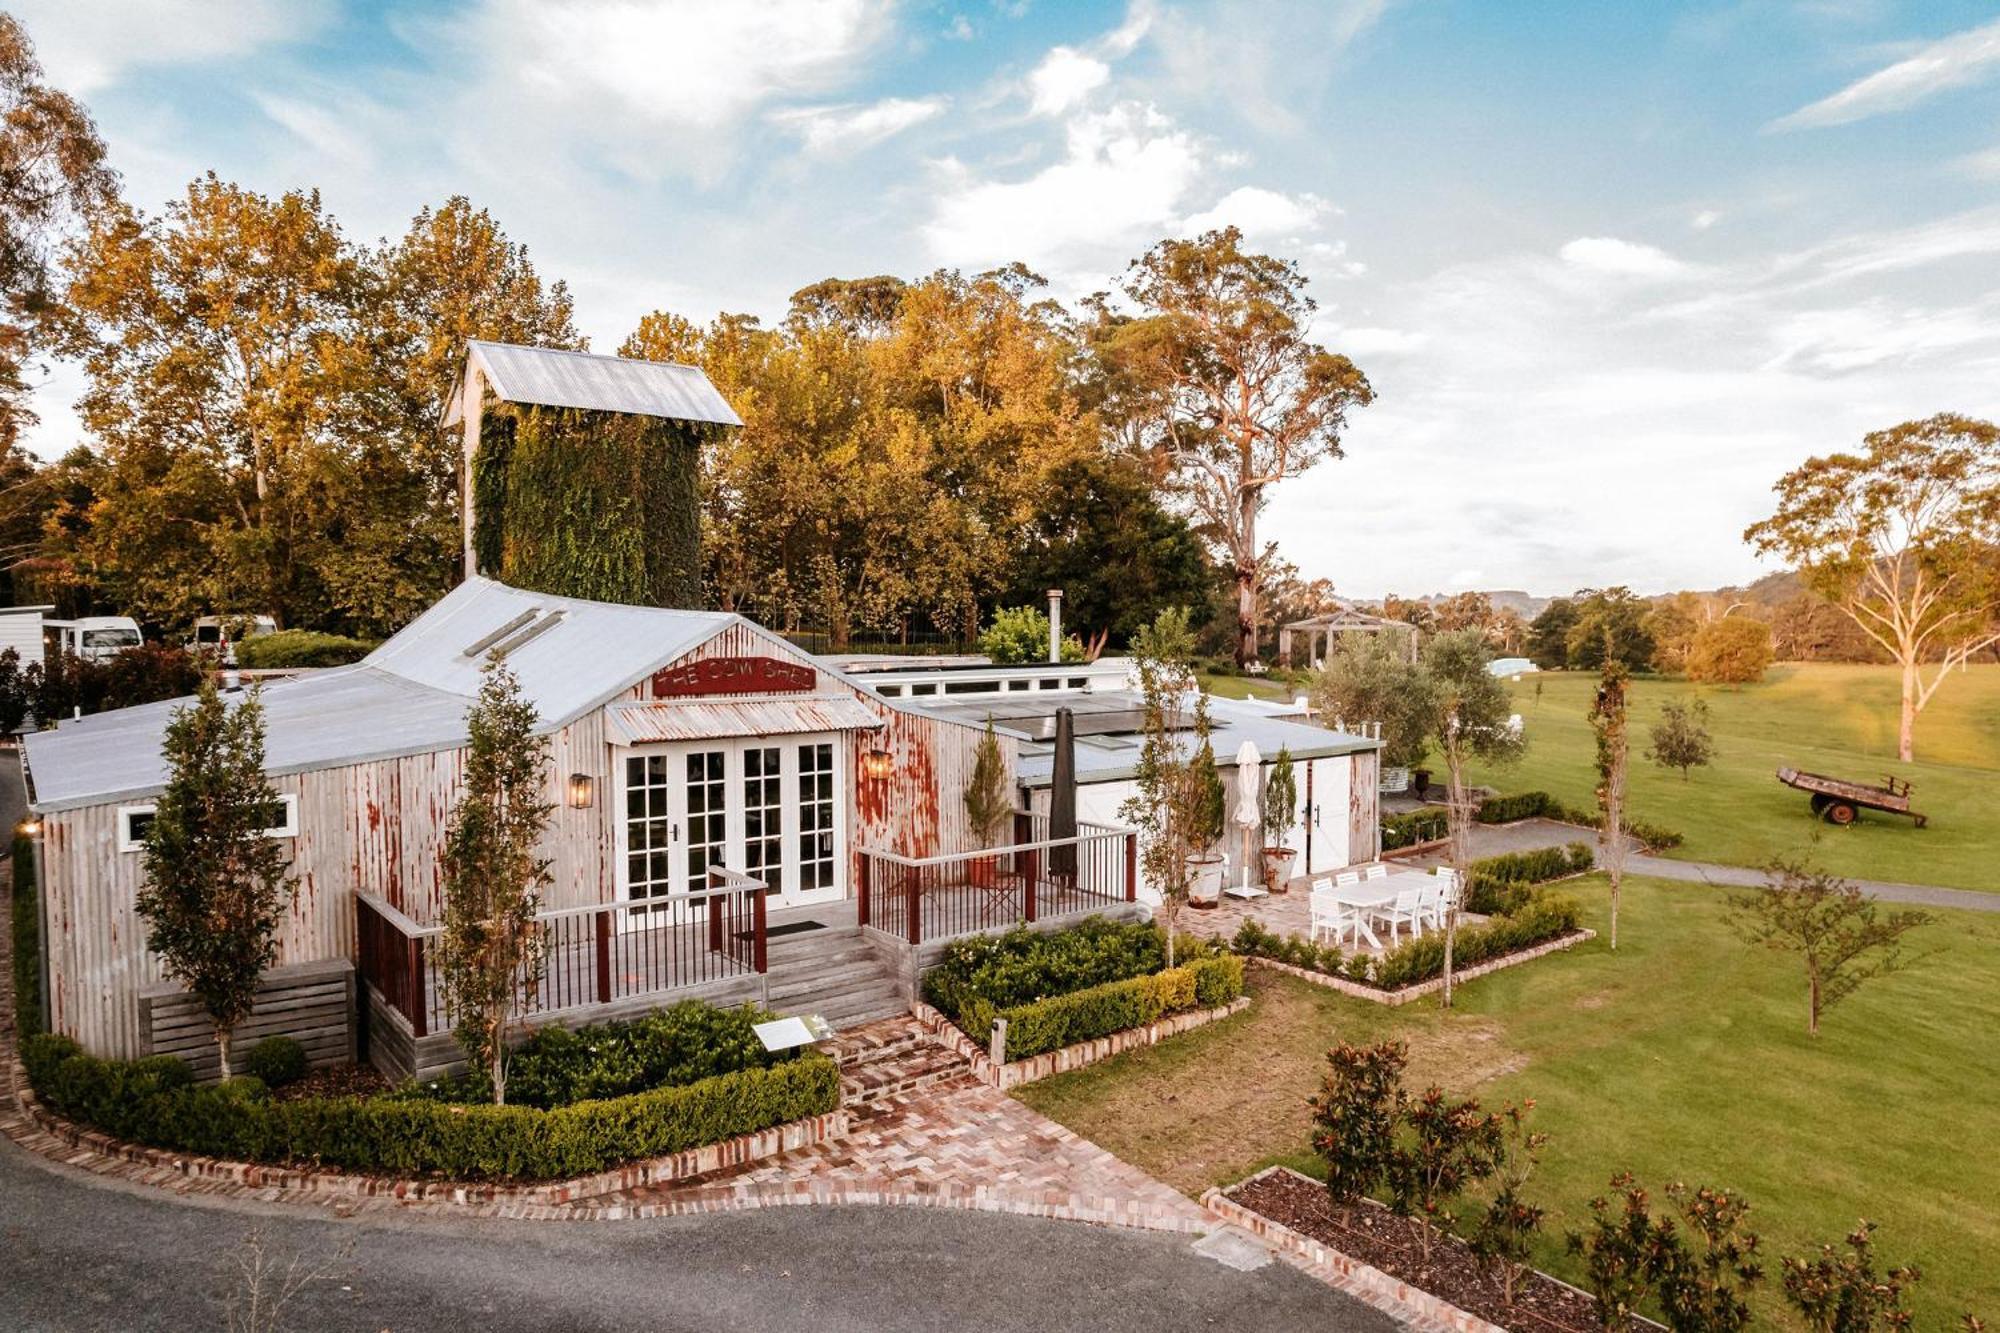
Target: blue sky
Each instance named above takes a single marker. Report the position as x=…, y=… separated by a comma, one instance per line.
x=1611, y=267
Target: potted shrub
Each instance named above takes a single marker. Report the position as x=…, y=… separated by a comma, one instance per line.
x=988, y=805
x=1208, y=804
x=1281, y=801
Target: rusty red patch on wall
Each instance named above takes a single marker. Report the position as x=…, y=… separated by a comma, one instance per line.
x=733, y=675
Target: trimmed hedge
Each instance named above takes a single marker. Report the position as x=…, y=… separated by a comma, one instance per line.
x=1541, y=805
x=983, y=974
x=1413, y=827
x=1098, y=1011
x=1500, y=883
x=301, y=648
x=154, y=1102
x=276, y=1061
x=27, y=940
x=1543, y=918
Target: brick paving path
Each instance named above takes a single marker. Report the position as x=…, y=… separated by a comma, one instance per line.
x=924, y=1134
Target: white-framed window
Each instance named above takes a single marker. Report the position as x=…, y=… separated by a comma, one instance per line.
x=134, y=820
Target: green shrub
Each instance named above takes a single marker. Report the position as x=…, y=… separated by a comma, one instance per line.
x=27, y=925
x=1542, y=918
x=672, y=1047
x=1499, y=884
x=1099, y=1011
x=1539, y=804
x=146, y=1102
x=301, y=648
x=1254, y=941
x=277, y=1061
x=983, y=974
x=1413, y=827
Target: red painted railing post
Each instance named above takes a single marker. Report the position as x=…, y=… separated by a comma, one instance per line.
x=1028, y=875
x=1024, y=831
x=1131, y=867
x=913, y=905
x=712, y=909
x=603, y=957
x=861, y=901
x=759, y=893
x=419, y=997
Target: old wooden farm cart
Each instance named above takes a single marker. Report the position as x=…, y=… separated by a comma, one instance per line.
x=1839, y=801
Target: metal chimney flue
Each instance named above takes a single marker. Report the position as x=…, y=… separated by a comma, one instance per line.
x=1055, y=624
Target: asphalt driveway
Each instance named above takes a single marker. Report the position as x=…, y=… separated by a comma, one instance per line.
x=79, y=1253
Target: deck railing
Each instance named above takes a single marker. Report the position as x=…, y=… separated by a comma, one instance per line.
x=1035, y=878
x=596, y=955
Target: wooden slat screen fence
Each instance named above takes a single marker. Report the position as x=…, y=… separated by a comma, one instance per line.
x=921, y=900
x=596, y=955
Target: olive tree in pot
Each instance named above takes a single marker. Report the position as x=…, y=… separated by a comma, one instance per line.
x=988, y=804
x=1208, y=807
x=1281, y=801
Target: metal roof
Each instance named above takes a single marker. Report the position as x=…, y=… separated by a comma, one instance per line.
x=698, y=719
x=552, y=377
x=1114, y=757
x=408, y=696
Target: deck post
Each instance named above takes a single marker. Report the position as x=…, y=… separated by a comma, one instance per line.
x=1029, y=870
x=1131, y=867
x=861, y=897
x=603, y=957
x=712, y=909
x=913, y=906
x=420, y=994
x=758, y=894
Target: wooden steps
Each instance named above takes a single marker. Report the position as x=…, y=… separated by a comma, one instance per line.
x=834, y=973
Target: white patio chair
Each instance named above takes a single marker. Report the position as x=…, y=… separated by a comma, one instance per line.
x=1347, y=877
x=1430, y=906
x=1378, y=871
x=1330, y=914
x=1407, y=909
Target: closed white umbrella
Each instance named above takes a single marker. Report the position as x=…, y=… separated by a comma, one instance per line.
x=1249, y=791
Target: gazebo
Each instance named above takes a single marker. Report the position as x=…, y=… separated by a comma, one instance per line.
x=1322, y=630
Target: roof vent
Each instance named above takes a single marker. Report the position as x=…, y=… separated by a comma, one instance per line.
x=485, y=641
x=520, y=638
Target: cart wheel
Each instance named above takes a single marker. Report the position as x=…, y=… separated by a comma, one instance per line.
x=1820, y=801
x=1841, y=813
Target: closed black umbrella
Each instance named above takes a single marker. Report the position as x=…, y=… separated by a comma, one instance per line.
x=1062, y=799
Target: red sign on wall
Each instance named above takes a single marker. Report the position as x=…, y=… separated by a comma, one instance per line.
x=733, y=675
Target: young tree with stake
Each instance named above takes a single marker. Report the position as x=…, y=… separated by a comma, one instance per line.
x=491, y=949
x=1608, y=720
x=216, y=885
x=1830, y=924
x=1172, y=809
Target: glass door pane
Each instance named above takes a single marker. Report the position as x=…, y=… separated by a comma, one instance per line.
x=707, y=797
x=764, y=815
x=816, y=817
x=649, y=868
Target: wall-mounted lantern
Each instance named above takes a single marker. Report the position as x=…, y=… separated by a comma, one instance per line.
x=876, y=765
x=30, y=827
x=582, y=791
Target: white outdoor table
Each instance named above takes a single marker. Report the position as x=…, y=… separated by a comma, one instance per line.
x=1378, y=892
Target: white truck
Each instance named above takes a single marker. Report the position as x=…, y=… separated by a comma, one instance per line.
x=93, y=638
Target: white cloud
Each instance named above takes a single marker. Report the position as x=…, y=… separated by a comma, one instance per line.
x=1705, y=219
x=844, y=129
x=1063, y=80
x=1245, y=60
x=1261, y=213
x=1122, y=179
x=1365, y=340
x=1982, y=165
x=85, y=46
x=1951, y=62
x=1607, y=254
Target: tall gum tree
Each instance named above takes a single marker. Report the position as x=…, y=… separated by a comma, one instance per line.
x=1244, y=398
x=1904, y=538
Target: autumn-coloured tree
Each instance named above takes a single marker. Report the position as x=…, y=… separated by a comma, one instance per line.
x=1902, y=538
x=53, y=182
x=1735, y=650
x=1242, y=398
x=1830, y=924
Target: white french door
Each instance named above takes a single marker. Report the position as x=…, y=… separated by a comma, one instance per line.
x=769, y=807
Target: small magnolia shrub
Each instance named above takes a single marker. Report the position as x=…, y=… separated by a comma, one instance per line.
x=1354, y=1115
x=277, y=1061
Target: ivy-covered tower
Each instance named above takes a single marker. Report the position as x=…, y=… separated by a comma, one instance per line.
x=580, y=474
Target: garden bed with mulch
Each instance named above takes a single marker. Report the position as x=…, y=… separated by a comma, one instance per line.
x=1370, y=1233
x=334, y=1081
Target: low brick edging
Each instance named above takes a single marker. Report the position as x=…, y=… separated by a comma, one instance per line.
x=1343, y=1271
x=665, y=1170
x=1392, y=998
x=1016, y=1072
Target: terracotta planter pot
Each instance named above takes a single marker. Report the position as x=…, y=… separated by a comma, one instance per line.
x=1278, y=863
x=1206, y=890
x=983, y=871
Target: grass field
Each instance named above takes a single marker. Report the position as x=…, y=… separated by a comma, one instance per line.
x=1682, y=1056
x=1826, y=718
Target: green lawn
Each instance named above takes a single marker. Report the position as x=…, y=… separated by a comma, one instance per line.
x=1248, y=687
x=1682, y=1056
x=1826, y=718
